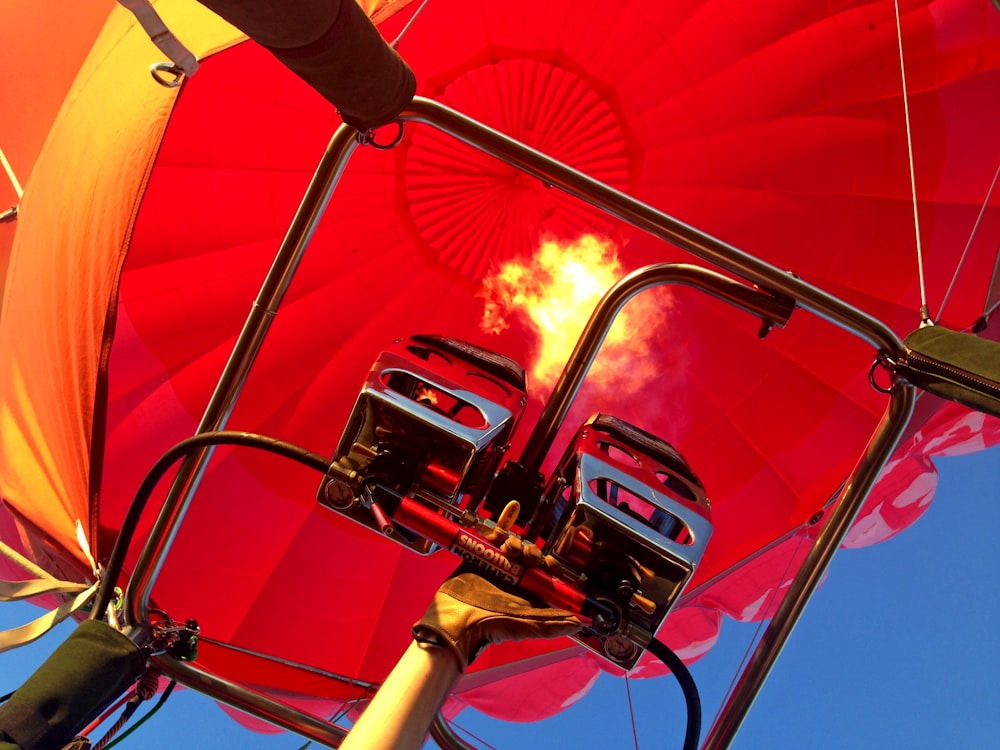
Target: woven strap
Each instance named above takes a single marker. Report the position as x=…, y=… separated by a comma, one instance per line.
x=19, y=636
x=161, y=36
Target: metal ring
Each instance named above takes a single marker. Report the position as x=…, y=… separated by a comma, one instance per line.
x=879, y=360
x=368, y=138
x=157, y=70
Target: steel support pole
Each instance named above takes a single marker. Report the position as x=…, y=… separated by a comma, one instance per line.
x=810, y=575
x=237, y=368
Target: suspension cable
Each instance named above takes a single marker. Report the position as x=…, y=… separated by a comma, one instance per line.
x=924, y=312
x=399, y=37
x=965, y=252
x=987, y=307
x=631, y=712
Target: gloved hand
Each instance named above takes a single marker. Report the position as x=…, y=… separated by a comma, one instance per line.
x=470, y=612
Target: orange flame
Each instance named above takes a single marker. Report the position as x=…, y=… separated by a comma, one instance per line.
x=557, y=290
x=428, y=395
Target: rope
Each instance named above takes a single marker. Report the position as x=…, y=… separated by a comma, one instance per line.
x=133, y=703
x=163, y=699
x=924, y=314
x=107, y=713
x=965, y=252
x=148, y=684
x=107, y=742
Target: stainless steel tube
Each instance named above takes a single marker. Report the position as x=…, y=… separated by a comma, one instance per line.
x=811, y=573
x=585, y=352
x=254, y=703
x=655, y=222
x=245, y=351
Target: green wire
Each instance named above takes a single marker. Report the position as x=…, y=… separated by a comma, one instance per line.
x=166, y=694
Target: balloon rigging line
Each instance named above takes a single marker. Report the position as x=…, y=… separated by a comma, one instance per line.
x=471, y=735
x=755, y=638
x=352, y=703
x=631, y=712
x=145, y=717
x=924, y=314
x=350, y=681
x=395, y=42
x=996, y=269
x=108, y=712
x=10, y=173
x=965, y=252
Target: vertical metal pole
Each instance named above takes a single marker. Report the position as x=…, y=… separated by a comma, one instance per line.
x=244, y=353
x=804, y=585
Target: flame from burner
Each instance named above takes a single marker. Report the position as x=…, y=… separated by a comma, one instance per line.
x=427, y=395
x=556, y=291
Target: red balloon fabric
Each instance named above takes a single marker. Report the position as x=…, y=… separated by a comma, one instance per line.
x=779, y=130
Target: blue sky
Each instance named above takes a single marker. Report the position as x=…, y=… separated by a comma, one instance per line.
x=898, y=649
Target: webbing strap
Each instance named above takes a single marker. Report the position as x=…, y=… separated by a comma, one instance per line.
x=42, y=583
x=161, y=36
x=10, y=639
x=14, y=591
x=16, y=557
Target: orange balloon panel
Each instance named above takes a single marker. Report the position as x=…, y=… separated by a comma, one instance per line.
x=32, y=93
x=779, y=131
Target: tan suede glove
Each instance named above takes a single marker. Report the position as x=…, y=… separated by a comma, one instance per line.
x=470, y=612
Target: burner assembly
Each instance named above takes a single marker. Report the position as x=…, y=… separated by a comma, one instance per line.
x=621, y=523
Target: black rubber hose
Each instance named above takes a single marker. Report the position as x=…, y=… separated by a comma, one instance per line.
x=182, y=450
x=693, y=732
x=315, y=461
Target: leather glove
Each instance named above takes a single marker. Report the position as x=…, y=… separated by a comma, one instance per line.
x=469, y=612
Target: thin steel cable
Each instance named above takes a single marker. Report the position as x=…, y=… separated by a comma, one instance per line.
x=758, y=631
x=631, y=713
x=471, y=735
x=987, y=311
x=395, y=42
x=965, y=252
x=352, y=703
x=924, y=313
